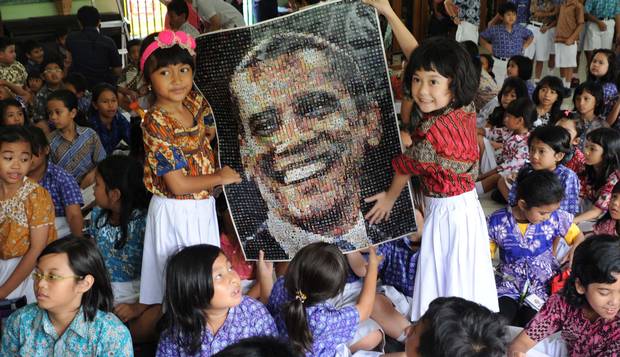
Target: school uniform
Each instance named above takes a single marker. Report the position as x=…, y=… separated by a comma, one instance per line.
x=397, y=273
x=469, y=14
x=570, y=17
x=505, y=45
x=606, y=11
x=542, y=46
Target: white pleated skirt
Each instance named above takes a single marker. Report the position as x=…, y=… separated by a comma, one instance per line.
x=455, y=258
x=171, y=225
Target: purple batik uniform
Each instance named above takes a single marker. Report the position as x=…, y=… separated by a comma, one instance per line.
x=248, y=319
x=398, y=266
x=526, y=257
x=329, y=326
x=570, y=181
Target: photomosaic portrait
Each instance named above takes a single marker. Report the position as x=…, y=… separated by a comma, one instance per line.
x=304, y=113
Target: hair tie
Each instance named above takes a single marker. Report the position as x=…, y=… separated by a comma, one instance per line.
x=299, y=295
x=167, y=39
x=567, y=113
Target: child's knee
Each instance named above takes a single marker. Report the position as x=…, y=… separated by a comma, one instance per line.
x=368, y=342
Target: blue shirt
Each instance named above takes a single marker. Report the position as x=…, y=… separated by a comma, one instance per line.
x=523, y=10
x=124, y=264
x=506, y=44
x=602, y=8
x=79, y=156
x=29, y=332
x=110, y=138
x=469, y=10
x=248, y=319
x=329, y=326
x=526, y=257
x=398, y=266
x=63, y=188
x=569, y=180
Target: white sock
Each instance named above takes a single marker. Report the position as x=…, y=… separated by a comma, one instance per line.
x=479, y=188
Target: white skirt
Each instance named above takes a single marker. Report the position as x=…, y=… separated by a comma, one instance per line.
x=26, y=288
x=171, y=225
x=126, y=292
x=455, y=259
x=565, y=55
x=466, y=31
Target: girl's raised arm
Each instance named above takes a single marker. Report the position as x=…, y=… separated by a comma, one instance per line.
x=366, y=299
x=405, y=39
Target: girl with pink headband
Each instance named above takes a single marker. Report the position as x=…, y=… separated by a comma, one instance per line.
x=180, y=168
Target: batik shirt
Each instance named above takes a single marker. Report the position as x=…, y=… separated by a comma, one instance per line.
x=30, y=207
x=541, y=120
x=569, y=180
x=506, y=44
x=110, y=138
x=63, y=187
x=583, y=337
x=248, y=319
x=602, y=8
x=588, y=126
x=610, y=95
x=123, y=264
x=526, y=256
x=602, y=196
x=329, y=326
x=469, y=10
x=77, y=157
x=523, y=10
x=514, y=153
x=606, y=226
x=577, y=161
x=39, y=106
x=29, y=332
x=444, y=153
x=14, y=73
x=398, y=266
x=170, y=147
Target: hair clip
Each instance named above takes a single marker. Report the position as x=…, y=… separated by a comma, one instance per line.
x=167, y=39
x=300, y=296
x=567, y=113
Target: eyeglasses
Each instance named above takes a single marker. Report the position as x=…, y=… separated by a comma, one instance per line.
x=52, y=70
x=53, y=277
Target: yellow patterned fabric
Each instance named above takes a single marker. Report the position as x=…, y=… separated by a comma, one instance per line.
x=30, y=207
x=169, y=147
x=14, y=73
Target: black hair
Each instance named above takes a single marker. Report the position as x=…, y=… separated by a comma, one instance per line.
x=319, y=271
x=188, y=293
x=574, y=118
x=85, y=259
x=53, y=59
x=39, y=140
x=34, y=73
x=607, y=215
x=555, y=84
x=525, y=66
x=126, y=175
x=66, y=96
x=77, y=80
x=179, y=7
x=60, y=32
x=11, y=102
x=88, y=16
x=458, y=327
x=596, y=90
x=507, y=7
x=523, y=108
x=491, y=62
x=609, y=140
x=31, y=45
x=539, y=187
x=5, y=42
x=556, y=137
x=472, y=48
x=134, y=42
x=15, y=134
x=259, y=346
x=610, y=76
x=496, y=118
x=449, y=59
x=594, y=261
x=162, y=57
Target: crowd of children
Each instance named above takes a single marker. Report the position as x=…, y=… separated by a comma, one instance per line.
x=147, y=264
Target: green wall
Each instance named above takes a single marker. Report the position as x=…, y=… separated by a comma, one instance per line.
x=16, y=12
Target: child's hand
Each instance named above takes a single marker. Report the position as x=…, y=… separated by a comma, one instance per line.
x=602, y=26
x=228, y=175
x=383, y=6
x=381, y=210
x=405, y=138
x=373, y=258
x=265, y=269
x=569, y=41
x=128, y=312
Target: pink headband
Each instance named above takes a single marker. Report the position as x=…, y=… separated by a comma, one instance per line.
x=167, y=39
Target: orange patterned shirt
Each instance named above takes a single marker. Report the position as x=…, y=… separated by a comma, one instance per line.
x=30, y=207
x=169, y=147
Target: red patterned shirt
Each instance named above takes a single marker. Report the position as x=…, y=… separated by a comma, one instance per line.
x=444, y=153
x=583, y=337
x=577, y=163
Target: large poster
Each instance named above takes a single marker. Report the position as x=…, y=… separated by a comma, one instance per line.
x=304, y=113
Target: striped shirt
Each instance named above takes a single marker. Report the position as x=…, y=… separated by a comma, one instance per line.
x=79, y=156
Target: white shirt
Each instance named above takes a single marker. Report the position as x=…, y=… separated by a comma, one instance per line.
x=229, y=16
x=189, y=29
